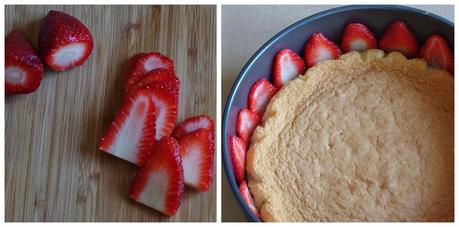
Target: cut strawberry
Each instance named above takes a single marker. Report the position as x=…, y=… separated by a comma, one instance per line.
x=159, y=182
x=357, y=37
x=155, y=76
x=23, y=67
x=287, y=65
x=247, y=121
x=192, y=124
x=319, y=48
x=247, y=196
x=142, y=63
x=132, y=133
x=197, y=152
x=437, y=53
x=398, y=37
x=64, y=41
x=238, y=149
x=259, y=95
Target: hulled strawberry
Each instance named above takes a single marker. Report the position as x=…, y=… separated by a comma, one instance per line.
x=192, y=124
x=247, y=121
x=156, y=76
x=247, y=196
x=319, y=48
x=287, y=65
x=398, y=37
x=64, y=41
x=238, y=149
x=437, y=53
x=357, y=37
x=259, y=95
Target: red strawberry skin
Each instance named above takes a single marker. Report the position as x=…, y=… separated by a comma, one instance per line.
x=21, y=55
x=398, y=37
x=319, y=48
x=238, y=148
x=58, y=30
x=155, y=76
x=259, y=96
x=287, y=66
x=437, y=53
x=247, y=196
x=160, y=181
x=247, y=121
x=192, y=124
x=357, y=37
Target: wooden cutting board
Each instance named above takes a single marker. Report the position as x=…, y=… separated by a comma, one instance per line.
x=54, y=170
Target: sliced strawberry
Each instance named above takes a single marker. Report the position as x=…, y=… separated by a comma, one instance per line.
x=357, y=37
x=197, y=152
x=64, y=41
x=398, y=37
x=259, y=95
x=159, y=182
x=142, y=63
x=132, y=133
x=238, y=149
x=287, y=65
x=23, y=67
x=155, y=76
x=192, y=124
x=247, y=196
x=437, y=53
x=247, y=121
x=319, y=48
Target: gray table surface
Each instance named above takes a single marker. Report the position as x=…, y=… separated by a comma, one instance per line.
x=247, y=28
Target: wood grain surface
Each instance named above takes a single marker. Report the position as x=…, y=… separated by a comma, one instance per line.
x=54, y=170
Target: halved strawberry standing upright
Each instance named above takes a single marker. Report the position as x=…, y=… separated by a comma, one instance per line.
x=192, y=124
x=358, y=37
x=155, y=76
x=437, y=53
x=23, y=67
x=159, y=183
x=319, y=48
x=259, y=95
x=398, y=37
x=238, y=149
x=244, y=190
x=64, y=41
x=131, y=135
x=287, y=65
x=197, y=152
x=246, y=123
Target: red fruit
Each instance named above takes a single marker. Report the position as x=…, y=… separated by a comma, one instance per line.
x=192, y=124
x=398, y=37
x=247, y=121
x=131, y=136
x=64, y=41
x=437, y=53
x=319, y=48
x=238, y=149
x=245, y=193
x=23, y=67
x=197, y=152
x=142, y=63
x=155, y=76
x=287, y=65
x=259, y=95
x=159, y=182
x=357, y=37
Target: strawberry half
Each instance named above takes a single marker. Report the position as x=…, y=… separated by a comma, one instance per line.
x=319, y=48
x=142, y=63
x=64, y=41
x=287, y=65
x=238, y=149
x=23, y=67
x=131, y=135
x=197, y=152
x=192, y=124
x=259, y=95
x=155, y=76
x=247, y=196
x=159, y=182
x=437, y=53
x=247, y=121
x=398, y=37
x=357, y=37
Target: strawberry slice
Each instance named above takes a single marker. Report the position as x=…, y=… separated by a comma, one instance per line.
x=357, y=37
x=247, y=196
x=247, y=121
x=23, y=67
x=132, y=133
x=142, y=63
x=192, y=124
x=155, y=76
x=287, y=65
x=238, y=148
x=197, y=152
x=159, y=182
x=64, y=41
x=398, y=37
x=259, y=95
x=319, y=48
x=437, y=53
